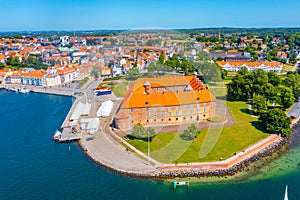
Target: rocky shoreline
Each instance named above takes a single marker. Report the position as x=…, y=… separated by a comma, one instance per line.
x=194, y=172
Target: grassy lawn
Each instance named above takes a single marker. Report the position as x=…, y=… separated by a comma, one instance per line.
x=232, y=139
x=287, y=68
x=211, y=145
x=158, y=142
x=120, y=89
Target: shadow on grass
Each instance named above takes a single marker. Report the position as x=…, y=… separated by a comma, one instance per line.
x=258, y=125
x=186, y=137
x=245, y=111
x=145, y=139
x=222, y=97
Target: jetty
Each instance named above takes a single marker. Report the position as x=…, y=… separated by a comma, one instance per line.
x=68, y=135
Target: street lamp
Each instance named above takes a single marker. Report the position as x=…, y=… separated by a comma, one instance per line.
x=148, y=134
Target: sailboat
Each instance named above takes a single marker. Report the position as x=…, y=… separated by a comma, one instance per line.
x=286, y=193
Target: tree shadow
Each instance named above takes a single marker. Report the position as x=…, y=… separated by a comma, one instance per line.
x=258, y=125
x=245, y=111
x=145, y=139
x=187, y=137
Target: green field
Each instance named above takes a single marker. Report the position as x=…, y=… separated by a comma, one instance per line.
x=214, y=143
x=287, y=68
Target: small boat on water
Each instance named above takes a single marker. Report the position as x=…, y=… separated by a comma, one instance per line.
x=24, y=90
x=13, y=89
x=57, y=135
x=180, y=183
x=286, y=193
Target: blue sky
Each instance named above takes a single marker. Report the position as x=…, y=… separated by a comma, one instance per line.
x=132, y=14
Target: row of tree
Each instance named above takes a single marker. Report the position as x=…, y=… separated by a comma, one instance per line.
x=30, y=62
x=264, y=85
x=270, y=94
x=142, y=133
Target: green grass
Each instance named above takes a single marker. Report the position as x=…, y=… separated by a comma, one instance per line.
x=158, y=142
x=82, y=82
x=287, y=68
x=120, y=89
x=233, y=139
x=211, y=145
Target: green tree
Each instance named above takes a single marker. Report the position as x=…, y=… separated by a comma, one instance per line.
x=138, y=131
x=259, y=104
x=273, y=78
x=286, y=96
x=162, y=58
x=2, y=66
x=190, y=133
x=276, y=121
x=95, y=72
x=293, y=81
x=152, y=68
x=134, y=73
x=202, y=55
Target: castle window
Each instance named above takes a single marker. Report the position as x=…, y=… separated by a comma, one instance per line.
x=154, y=109
x=177, y=119
x=204, y=110
x=191, y=105
x=169, y=113
x=169, y=108
x=162, y=108
x=162, y=120
x=147, y=115
x=204, y=104
x=131, y=109
x=147, y=120
x=162, y=114
x=211, y=103
x=176, y=107
x=132, y=115
x=177, y=113
x=191, y=111
x=169, y=119
x=184, y=107
x=184, y=112
x=183, y=118
x=155, y=120
x=147, y=109
x=154, y=114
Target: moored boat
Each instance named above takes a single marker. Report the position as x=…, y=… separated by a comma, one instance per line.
x=24, y=90
x=286, y=193
x=56, y=135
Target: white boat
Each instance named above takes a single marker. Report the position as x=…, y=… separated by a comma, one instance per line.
x=14, y=89
x=57, y=135
x=286, y=193
x=24, y=90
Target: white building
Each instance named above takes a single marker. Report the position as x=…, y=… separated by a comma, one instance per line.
x=63, y=40
x=50, y=80
x=236, y=66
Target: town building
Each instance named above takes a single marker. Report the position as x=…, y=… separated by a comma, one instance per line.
x=236, y=66
x=165, y=101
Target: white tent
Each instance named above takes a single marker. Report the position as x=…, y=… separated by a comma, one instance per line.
x=105, y=109
x=80, y=109
x=90, y=124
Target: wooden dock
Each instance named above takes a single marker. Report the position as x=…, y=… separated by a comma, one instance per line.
x=68, y=135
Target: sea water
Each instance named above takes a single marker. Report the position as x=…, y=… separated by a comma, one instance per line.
x=33, y=166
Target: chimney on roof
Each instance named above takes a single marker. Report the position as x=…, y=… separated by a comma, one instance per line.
x=147, y=87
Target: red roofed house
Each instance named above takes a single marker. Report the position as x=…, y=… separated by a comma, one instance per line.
x=166, y=100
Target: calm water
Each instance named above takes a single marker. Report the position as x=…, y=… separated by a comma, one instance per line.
x=32, y=166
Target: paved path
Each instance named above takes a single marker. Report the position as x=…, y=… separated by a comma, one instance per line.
x=108, y=152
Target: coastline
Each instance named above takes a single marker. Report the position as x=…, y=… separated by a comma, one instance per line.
x=180, y=170
x=160, y=173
